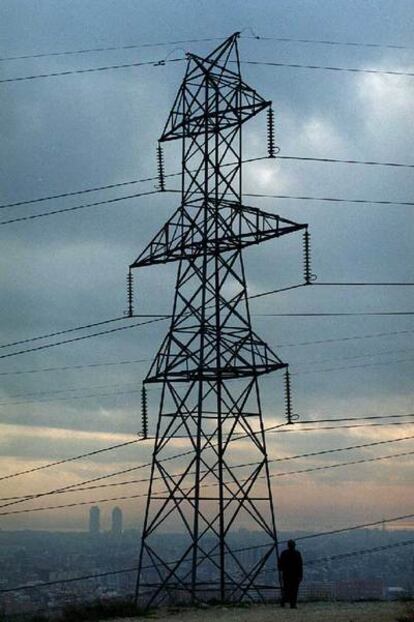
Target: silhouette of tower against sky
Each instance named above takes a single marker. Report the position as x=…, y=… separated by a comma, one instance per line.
x=210, y=361
x=94, y=520
x=116, y=527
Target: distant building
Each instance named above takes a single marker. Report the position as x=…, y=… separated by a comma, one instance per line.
x=116, y=529
x=94, y=520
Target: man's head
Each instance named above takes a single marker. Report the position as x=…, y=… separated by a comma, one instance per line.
x=291, y=545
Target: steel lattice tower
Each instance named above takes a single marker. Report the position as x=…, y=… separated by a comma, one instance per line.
x=210, y=361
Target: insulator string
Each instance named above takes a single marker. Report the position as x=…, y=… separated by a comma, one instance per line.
x=160, y=162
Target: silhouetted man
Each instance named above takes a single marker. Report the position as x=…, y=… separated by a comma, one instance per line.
x=291, y=567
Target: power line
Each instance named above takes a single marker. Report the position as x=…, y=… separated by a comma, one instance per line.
x=76, y=192
x=357, y=356
x=74, y=397
x=71, y=459
x=51, y=464
x=375, y=549
x=276, y=291
x=271, y=428
x=282, y=345
x=364, y=284
x=82, y=486
x=293, y=427
x=274, y=428
x=215, y=484
x=151, y=192
x=69, y=367
x=78, y=207
x=343, y=314
x=113, y=330
x=68, y=390
x=333, y=532
x=75, y=339
x=159, y=63
x=71, y=330
x=366, y=417
x=344, y=427
x=60, y=332
x=328, y=68
x=331, y=42
x=93, y=365
x=107, y=187
x=135, y=46
x=162, y=317
x=240, y=550
x=340, y=161
x=71, y=72
x=72, y=505
x=282, y=474
x=249, y=194
x=77, y=487
x=116, y=319
x=340, y=339
x=328, y=199
x=362, y=365
x=124, y=385
x=342, y=464
x=107, y=49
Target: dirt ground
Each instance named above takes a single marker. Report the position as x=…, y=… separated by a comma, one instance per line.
x=306, y=612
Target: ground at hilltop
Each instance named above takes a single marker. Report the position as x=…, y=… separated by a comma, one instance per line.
x=306, y=612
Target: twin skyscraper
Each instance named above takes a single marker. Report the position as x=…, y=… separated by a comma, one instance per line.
x=95, y=521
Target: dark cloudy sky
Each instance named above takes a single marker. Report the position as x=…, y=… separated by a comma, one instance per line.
x=68, y=133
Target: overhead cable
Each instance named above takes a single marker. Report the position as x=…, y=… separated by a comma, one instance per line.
x=22, y=398
x=76, y=339
x=110, y=448
x=70, y=367
x=162, y=62
x=349, y=338
x=48, y=465
x=328, y=199
x=365, y=284
x=109, y=187
x=239, y=550
x=357, y=356
x=71, y=72
x=135, y=46
x=78, y=207
x=36, y=370
x=341, y=161
x=113, y=330
x=214, y=484
x=82, y=486
x=342, y=314
x=342, y=427
x=375, y=549
x=330, y=42
x=328, y=68
x=60, y=332
x=360, y=366
x=163, y=317
x=112, y=48
x=71, y=330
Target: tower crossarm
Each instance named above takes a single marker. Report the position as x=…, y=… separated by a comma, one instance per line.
x=183, y=236
x=191, y=115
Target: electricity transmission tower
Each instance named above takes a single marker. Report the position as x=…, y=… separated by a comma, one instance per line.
x=210, y=361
